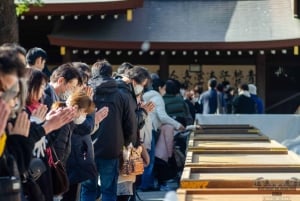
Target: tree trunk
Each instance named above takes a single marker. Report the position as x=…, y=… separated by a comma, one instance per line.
x=8, y=22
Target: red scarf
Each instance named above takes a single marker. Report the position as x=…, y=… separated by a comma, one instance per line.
x=33, y=106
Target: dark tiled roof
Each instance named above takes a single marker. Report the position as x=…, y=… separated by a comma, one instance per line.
x=175, y=21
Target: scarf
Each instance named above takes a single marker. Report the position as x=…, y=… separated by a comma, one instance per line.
x=245, y=93
x=33, y=106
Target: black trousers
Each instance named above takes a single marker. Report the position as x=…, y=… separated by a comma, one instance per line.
x=71, y=194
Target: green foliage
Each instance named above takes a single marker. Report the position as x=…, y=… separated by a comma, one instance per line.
x=22, y=6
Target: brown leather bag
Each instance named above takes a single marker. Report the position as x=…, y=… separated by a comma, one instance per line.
x=133, y=163
x=60, y=181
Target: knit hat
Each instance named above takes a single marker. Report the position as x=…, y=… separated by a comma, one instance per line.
x=252, y=89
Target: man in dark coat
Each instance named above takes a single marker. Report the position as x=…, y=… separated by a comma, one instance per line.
x=243, y=103
x=115, y=131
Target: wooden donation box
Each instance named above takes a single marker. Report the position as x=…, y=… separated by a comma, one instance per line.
x=238, y=163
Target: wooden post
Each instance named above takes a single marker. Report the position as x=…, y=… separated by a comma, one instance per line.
x=261, y=76
x=67, y=57
x=164, y=66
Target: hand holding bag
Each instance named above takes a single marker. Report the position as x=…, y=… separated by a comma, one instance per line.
x=59, y=176
x=133, y=163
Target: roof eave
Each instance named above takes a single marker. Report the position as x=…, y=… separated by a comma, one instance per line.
x=87, y=8
x=136, y=45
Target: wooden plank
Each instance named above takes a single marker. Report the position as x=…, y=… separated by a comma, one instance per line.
x=242, y=160
x=244, y=151
x=230, y=137
x=227, y=131
x=225, y=126
x=236, y=147
x=244, y=169
x=193, y=195
x=241, y=191
x=192, y=179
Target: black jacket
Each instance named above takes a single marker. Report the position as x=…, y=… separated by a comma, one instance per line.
x=20, y=148
x=80, y=164
x=60, y=139
x=243, y=105
x=119, y=127
x=140, y=113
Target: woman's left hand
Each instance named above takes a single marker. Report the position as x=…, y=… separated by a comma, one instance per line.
x=40, y=113
x=149, y=107
x=21, y=126
x=101, y=114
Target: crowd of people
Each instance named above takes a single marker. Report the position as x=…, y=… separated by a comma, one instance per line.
x=85, y=115
x=221, y=98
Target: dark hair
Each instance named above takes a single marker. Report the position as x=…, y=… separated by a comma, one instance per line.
x=84, y=70
x=212, y=82
x=156, y=83
x=18, y=48
x=35, y=53
x=244, y=87
x=124, y=67
x=10, y=62
x=82, y=66
x=220, y=87
x=34, y=82
x=171, y=87
x=101, y=69
x=138, y=74
x=67, y=71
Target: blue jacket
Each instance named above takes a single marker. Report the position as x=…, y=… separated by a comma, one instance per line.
x=259, y=104
x=209, y=102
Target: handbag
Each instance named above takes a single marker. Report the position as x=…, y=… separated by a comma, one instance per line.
x=179, y=157
x=59, y=176
x=133, y=163
x=36, y=168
